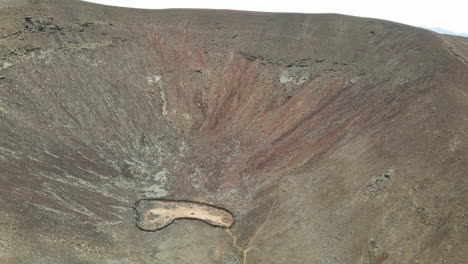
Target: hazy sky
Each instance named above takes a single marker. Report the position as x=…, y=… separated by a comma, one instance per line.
x=447, y=14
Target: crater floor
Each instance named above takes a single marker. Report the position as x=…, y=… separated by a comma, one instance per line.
x=154, y=215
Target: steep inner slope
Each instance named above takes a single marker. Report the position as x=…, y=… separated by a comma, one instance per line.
x=331, y=139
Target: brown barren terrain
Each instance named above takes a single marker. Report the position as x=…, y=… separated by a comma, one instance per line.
x=330, y=139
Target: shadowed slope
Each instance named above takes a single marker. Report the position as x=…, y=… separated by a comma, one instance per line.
x=289, y=121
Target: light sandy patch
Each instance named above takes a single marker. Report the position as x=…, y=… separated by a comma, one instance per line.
x=156, y=214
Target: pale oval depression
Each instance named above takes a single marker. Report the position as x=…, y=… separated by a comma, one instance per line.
x=157, y=214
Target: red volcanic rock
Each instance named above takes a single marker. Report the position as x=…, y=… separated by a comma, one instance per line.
x=332, y=139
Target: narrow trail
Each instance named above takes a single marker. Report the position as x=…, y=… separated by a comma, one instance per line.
x=254, y=237
x=234, y=244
